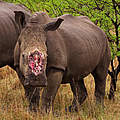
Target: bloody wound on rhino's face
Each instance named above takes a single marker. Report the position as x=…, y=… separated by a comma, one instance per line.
x=36, y=62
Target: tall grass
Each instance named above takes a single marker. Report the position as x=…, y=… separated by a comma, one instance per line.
x=13, y=104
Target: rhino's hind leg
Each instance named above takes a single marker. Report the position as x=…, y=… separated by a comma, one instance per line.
x=100, y=83
x=100, y=74
x=79, y=92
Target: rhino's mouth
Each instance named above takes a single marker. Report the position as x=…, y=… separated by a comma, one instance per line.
x=36, y=62
x=36, y=81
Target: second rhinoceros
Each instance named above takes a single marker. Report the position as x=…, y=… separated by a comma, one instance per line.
x=49, y=53
x=9, y=31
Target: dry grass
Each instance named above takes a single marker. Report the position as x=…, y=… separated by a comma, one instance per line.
x=13, y=105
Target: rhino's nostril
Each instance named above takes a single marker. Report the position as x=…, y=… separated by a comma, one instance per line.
x=26, y=82
x=46, y=84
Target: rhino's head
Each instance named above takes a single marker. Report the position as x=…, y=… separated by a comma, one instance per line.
x=31, y=52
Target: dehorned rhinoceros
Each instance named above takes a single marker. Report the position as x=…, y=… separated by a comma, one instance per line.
x=49, y=53
x=9, y=31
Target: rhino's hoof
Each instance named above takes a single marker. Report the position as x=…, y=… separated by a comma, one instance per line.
x=111, y=96
x=71, y=109
x=33, y=109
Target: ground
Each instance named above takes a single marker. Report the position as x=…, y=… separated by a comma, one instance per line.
x=13, y=105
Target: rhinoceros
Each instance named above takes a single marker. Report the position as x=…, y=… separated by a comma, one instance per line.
x=54, y=51
x=9, y=31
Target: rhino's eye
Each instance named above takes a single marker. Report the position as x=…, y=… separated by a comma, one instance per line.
x=19, y=41
x=23, y=58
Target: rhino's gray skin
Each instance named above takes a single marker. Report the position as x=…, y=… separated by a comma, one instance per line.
x=75, y=49
x=9, y=31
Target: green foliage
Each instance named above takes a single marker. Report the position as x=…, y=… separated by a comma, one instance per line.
x=104, y=13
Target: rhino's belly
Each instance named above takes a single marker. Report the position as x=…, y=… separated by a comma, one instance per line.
x=69, y=74
x=83, y=64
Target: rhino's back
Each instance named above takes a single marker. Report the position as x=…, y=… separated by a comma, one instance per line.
x=82, y=44
x=13, y=6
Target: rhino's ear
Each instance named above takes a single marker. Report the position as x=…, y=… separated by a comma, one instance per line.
x=20, y=19
x=53, y=25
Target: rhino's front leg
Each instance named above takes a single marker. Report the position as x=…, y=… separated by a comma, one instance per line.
x=49, y=93
x=31, y=93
